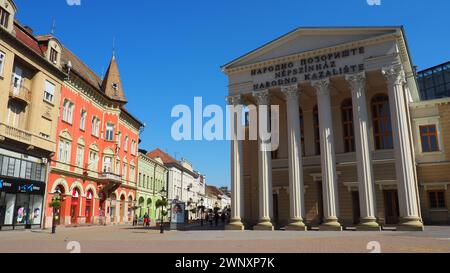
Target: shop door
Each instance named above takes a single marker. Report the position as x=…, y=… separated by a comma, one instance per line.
x=88, y=211
x=355, y=207
x=74, y=210
x=391, y=207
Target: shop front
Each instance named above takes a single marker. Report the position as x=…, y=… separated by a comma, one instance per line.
x=21, y=203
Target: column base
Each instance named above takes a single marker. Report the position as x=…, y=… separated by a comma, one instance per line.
x=264, y=225
x=330, y=225
x=410, y=224
x=235, y=224
x=368, y=224
x=296, y=225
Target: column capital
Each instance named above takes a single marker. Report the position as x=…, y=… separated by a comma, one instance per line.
x=321, y=86
x=291, y=92
x=234, y=99
x=356, y=81
x=262, y=97
x=394, y=74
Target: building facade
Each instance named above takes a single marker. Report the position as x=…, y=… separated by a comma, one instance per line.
x=349, y=124
x=30, y=85
x=152, y=180
x=95, y=165
x=181, y=179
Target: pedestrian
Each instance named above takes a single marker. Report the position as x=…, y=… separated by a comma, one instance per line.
x=135, y=220
x=145, y=220
x=223, y=216
x=216, y=218
x=211, y=218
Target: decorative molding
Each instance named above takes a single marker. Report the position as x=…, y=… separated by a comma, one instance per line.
x=291, y=92
x=356, y=82
x=322, y=87
x=394, y=74
x=262, y=97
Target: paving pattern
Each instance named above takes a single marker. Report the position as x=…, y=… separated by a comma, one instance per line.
x=118, y=239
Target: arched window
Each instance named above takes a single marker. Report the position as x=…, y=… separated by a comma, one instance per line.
x=316, y=129
x=302, y=131
x=382, y=129
x=347, y=124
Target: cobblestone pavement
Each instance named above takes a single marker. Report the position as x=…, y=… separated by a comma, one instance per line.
x=117, y=239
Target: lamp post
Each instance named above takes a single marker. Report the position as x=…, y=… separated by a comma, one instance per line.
x=202, y=208
x=163, y=191
x=56, y=203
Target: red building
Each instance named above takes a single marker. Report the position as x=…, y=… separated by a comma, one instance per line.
x=95, y=163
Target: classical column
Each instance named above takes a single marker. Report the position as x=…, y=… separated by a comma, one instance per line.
x=367, y=202
x=237, y=174
x=328, y=157
x=264, y=167
x=404, y=163
x=296, y=190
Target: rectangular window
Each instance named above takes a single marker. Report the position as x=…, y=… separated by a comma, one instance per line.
x=83, y=120
x=2, y=62
x=429, y=138
x=64, y=151
x=53, y=55
x=133, y=147
x=49, y=91
x=67, y=114
x=95, y=126
x=93, y=161
x=124, y=171
x=4, y=18
x=80, y=156
x=125, y=144
x=109, y=136
x=437, y=199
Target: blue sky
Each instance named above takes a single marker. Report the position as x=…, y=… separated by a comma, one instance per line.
x=171, y=51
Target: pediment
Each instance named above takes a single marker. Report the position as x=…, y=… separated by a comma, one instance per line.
x=303, y=40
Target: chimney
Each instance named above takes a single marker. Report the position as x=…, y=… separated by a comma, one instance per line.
x=28, y=29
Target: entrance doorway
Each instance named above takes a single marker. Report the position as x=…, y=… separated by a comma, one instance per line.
x=74, y=206
x=276, y=215
x=89, y=197
x=320, y=202
x=355, y=207
x=122, y=208
x=391, y=208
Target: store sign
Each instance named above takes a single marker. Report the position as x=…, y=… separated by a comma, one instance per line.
x=308, y=69
x=22, y=187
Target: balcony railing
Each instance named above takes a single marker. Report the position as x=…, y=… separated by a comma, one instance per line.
x=20, y=93
x=15, y=133
x=111, y=177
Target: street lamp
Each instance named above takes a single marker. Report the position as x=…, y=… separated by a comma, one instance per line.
x=162, y=192
x=202, y=208
x=55, y=204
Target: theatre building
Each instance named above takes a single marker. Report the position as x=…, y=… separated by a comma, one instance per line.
x=30, y=84
x=95, y=164
x=357, y=146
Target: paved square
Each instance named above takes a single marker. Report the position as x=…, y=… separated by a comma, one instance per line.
x=118, y=239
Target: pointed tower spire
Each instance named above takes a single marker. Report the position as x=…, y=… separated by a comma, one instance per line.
x=112, y=85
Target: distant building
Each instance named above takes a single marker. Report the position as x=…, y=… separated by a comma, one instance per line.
x=434, y=82
x=181, y=181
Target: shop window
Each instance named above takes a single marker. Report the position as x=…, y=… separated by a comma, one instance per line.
x=437, y=199
x=382, y=129
x=429, y=138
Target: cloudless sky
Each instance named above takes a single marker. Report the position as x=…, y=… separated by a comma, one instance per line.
x=171, y=51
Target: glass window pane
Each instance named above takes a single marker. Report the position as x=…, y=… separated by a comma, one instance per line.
x=425, y=146
x=10, y=201
x=434, y=143
x=36, y=210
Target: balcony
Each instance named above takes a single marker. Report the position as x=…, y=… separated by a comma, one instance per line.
x=110, y=177
x=15, y=133
x=20, y=93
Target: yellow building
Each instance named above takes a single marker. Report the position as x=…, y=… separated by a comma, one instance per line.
x=30, y=84
x=352, y=130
